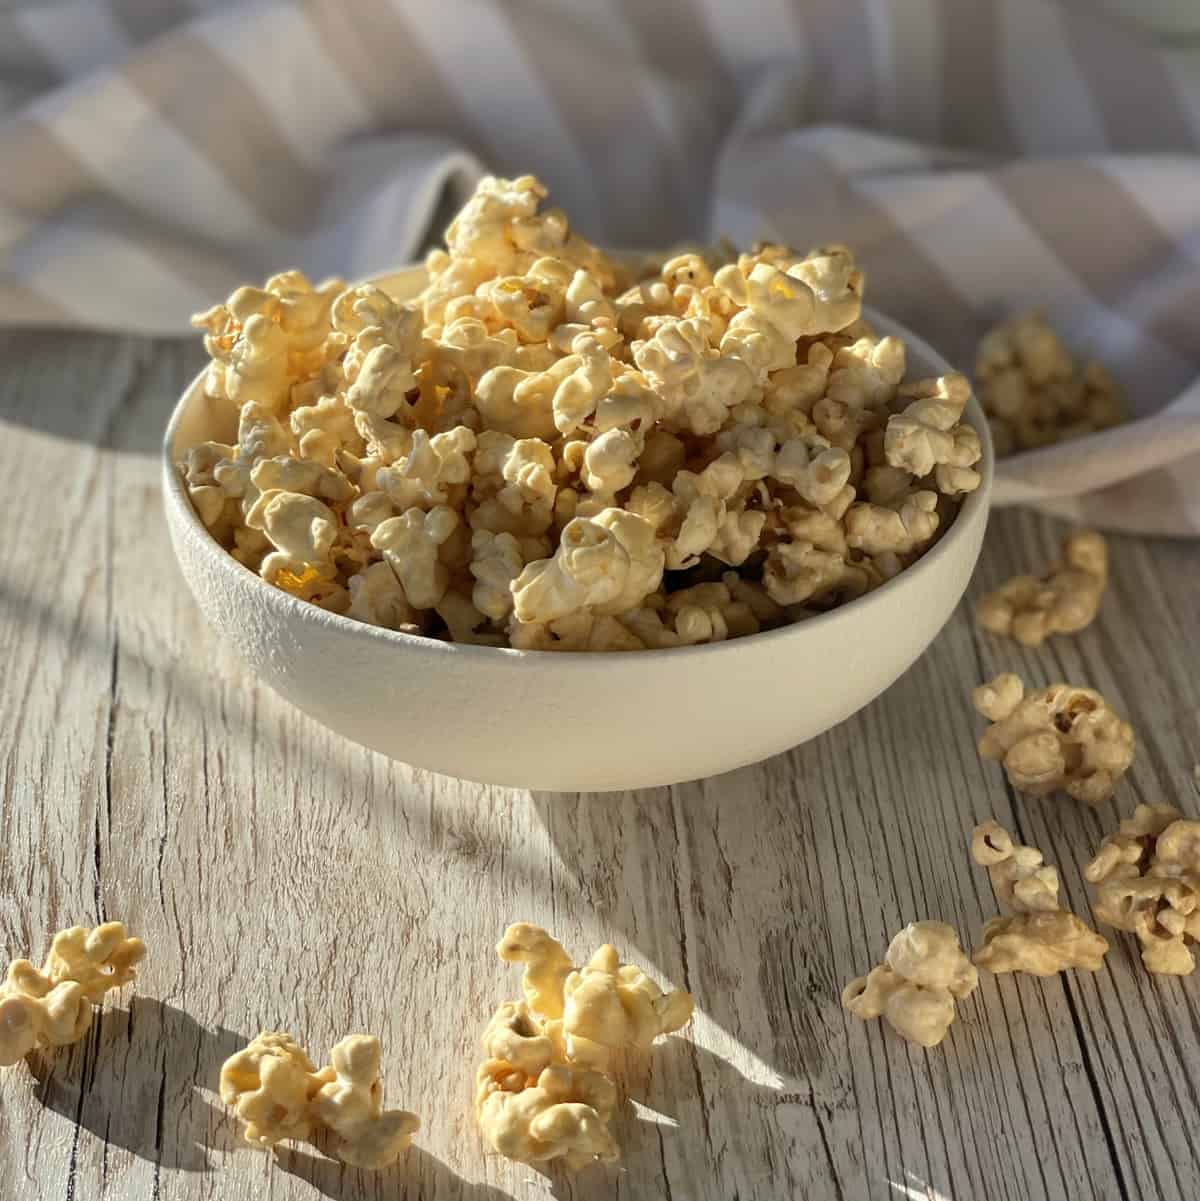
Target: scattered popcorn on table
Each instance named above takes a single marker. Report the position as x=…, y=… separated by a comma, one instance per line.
x=543, y=1092
x=924, y=972
x=1064, y=601
x=1035, y=393
x=1147, y=877
x=52, y=1007
x=1060, y=737
x=536, y=452
x=1041, y=938
x=279, y=1094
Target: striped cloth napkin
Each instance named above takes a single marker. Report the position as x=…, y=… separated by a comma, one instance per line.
x=982, y=156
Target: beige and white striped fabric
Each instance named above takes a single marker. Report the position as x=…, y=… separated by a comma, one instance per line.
x=981, y=155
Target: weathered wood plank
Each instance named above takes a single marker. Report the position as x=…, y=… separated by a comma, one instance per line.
x=1140, y=1032
x=285, y=878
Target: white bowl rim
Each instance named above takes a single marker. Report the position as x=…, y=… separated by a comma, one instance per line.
x=592, y=660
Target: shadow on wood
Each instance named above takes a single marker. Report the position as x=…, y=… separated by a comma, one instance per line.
x=416, y=1174
x=133, y=1083
x=91, y=388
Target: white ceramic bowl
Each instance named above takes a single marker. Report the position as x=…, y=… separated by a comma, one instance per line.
x=572, y=721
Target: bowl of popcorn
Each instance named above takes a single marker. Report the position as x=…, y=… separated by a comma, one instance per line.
x=536, y=515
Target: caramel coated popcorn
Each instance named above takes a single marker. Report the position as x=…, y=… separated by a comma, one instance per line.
x=537, y=452
x=1034, y=391
x=1147, y=877
x=1064, y=601
x=1041, y=937
x=544, y=1093
x=1060, y=737
x=1041, y=944
x=52, y=1006
x=279, y=1094
x=1020, y=879
x=924, y=972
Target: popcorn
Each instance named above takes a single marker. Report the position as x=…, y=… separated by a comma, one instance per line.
x=301, y=528
x=799, y=571
x=704, y=499
x=711, y=612
x=562, y=1114
x=698, y=385
x=411, y=544
x=52, y=1007
x=816, y=295
x=270, y=1085
x=928, y=437
x=325, y=427
x=819, y=472
x=844, y=425
x=514, y=484
x=793, y=391
x=274, y=1088
x=496, y=560
x=533, y=304
x=1041, y=938
x=1019, y=878
x=464, y=622
x=1148, y=878
x=263, y=341
x=906, y=524
x=547, y=966
x=521, y=403
x=525, y=452
x=868, y=372
x=1060, y=737
x=542, y=1093
x=519, y=1037
x=284, y=474
x=584, y=632
x=1041, y=944
x=1035, y=393
x=377, y=598
x=432, y=468
x=914, y=990
x=605, y=564
x=1064, y=602
x=610, y=463
x=611, y=1006
x=1127, y=854
x=351, y=1105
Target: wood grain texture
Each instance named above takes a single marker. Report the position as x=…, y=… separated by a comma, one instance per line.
x=284, y=878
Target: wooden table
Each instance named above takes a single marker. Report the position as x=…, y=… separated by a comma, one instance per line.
x=284, y=878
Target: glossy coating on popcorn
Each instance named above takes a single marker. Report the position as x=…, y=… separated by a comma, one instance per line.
x=52, y=1006
x=1058, y=738
x=351, y=1105
x=1041, y=944
x=541, y=445
x=279, y=1094
x=1041, y=937
x=543, y=1092
x=924, y=972
x=611, y=1006
x=563, y=1114
x=1020, y=879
